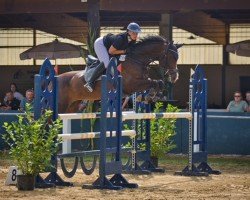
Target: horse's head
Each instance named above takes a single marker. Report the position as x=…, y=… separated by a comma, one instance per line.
x=169, y=61
x=137, y=64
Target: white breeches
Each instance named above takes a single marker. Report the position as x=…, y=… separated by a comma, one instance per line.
x=101, y=51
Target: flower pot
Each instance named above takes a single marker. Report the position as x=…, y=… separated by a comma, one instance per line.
x=154, y=160
x=25, y=182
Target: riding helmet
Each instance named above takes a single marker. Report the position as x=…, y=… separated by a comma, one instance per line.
x=134, y=27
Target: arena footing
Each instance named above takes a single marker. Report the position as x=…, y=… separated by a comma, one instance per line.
x=194, y=171
x=117, y=182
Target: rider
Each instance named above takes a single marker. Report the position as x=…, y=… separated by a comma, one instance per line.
x=112, y=45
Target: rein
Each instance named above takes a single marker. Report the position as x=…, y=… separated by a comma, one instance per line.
x=138, y=61
x=168, y=47
x=146, y=64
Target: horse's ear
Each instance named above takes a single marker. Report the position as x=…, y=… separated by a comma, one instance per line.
x=178, y=45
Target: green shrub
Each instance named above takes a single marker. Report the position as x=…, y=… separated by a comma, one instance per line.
x=33, y=142
x=162, y=132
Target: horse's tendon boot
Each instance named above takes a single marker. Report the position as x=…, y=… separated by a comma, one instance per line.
x=95, y=75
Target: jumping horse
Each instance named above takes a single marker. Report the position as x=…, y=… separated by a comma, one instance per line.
x=134, y=72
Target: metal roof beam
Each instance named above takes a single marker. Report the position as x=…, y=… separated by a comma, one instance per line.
x=71, y=6
x=201, y=24
x=170, y=5
x=62, y=25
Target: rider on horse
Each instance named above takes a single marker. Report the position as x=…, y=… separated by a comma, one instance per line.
x=112, y=45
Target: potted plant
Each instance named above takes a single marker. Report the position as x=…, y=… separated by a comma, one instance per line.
x=161, y=133
x=32, y=143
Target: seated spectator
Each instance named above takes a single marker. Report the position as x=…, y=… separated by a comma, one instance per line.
x=17, y=95
x=248, y=100
x=237, y=105
x=29, y=99
x=11, y=102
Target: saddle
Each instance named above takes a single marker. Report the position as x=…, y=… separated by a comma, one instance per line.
x=91, y=60
x=92, y=65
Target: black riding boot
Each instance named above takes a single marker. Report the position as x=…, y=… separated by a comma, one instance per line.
x=96, y=73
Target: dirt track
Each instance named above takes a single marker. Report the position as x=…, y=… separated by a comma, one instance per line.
x=229, y=185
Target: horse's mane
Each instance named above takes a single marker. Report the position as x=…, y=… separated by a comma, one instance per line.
x=148, y=40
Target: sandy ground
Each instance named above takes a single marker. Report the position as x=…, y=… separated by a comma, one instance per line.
x=230, y=184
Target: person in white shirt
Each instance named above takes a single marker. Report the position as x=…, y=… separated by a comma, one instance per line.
x=17, y=95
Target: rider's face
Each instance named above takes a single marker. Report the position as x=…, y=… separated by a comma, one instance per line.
x=133, y=35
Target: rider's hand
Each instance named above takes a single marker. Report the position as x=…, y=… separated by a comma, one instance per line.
x=126, y=51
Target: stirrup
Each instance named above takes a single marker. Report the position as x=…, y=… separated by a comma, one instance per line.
x=89, y=87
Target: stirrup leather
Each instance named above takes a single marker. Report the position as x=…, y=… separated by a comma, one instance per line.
x=89, y=87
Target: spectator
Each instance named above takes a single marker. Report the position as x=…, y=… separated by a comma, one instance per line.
x=29, y=99
x=237, y=105
x=11, y=102
x=248, y=100
x=17, y=95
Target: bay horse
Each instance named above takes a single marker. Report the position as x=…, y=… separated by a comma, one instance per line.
x=134, y=73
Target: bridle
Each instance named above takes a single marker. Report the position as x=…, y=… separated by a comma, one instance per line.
x=173, y=50
x=169, y=47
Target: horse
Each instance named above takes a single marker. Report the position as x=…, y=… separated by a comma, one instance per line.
x=134, y=73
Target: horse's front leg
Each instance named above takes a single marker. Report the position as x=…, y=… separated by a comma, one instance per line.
x=139, y=85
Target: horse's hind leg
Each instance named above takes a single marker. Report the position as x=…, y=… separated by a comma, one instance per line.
x=73, y=107
x=139, y=85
